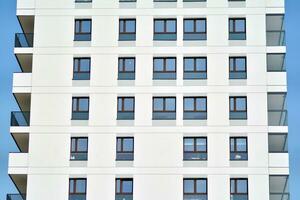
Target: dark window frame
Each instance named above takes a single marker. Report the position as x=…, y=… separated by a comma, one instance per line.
x=122, y=144
x=235, y=104
x=121, y=186
x=234, y=19
x=76, y=146
x=195, y=64
x=235, y=147
x=124, y=20
x=74, y=186
x=165, y=65
x=165, y=25
x=195, y=145
x=123, y=59
x=164, y=104
x=195, y=26
x=234, y=58
x=80, y=32
x=236, y=186
x=195, y=186
x=77, y=110
x=123, y=104
x=195, y=104
x=78, y=59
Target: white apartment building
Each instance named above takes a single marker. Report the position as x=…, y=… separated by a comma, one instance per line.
x=150, y=100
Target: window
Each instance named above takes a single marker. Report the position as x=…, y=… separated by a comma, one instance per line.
x=238, y=108
x=279, y=187
x=276, y=62
x=278, y=142
x=79, y=148
x=164, y=68
x=238, y=148
x=81, y=69
x=125, y=108
x=195, y=148
x=195, y=188
x=126, y=69
x=164, y=108
x=80, y=108
x=195, y=68
x=124, y=189
x=194, y=108
x=125, y=148
x=83, y=29
x=127, y=29
x=77, y=189
x=165, y=29
x=237, y=68
x=239, y=188
x=194, y=29
x=237, y=29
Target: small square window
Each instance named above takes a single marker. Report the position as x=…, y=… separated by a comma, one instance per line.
x=194, y=108
x=164, y=108
x=127, y=29
x=195, y=148
x=125, y=108
x=165, y=29
x=164, y=68
x=237, y=68
x=79, y=148
x=195, y=188
x=124, y=188
x=194, y=29
x=125, y=148
x=81, y=69
x=237, y=29
x=80, y=108
x=83, y=29
x=126, y=68
x=238, y=108
x=238, y=148
x=239, y=188
x=77, y=188
x=195, y=68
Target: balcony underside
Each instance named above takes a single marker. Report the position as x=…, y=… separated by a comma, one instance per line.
x=25, y=61
x=22, y=141
x=20, y=181
x=23, y=100
x=27, y=23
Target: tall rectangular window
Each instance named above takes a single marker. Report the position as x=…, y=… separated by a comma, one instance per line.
x=239, y=188
x=83, y=30
x=238, y=148
x=79, y=148
x=237, y=29
x=125, y=148
x=194, y=108
x=126, y=68
x=81, y=68
x=238, y=108
x=237, y=68
x=195, y=148
x=195, y=68
x=165, y=29
x=80, y=108
x=124, y=189
x=164, y=108
x=195, y=188
x=77, y=188
x=194, y=29
x=164, y=68
x=127, y=29
x=125, y=108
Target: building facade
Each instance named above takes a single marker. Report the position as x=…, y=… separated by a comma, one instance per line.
x=143, y=100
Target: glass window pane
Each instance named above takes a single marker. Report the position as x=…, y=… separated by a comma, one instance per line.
x=189, y=104
x=118, y=185
x=240, y=64
x=201, y=104
x=120, y=104
x=76, y=65
x=200, y=26
x=121, y=26
x=188, y=64
x=127, y=186
x=170, y=104
x=71, y=185
x=86, y=26
x=240, y=25
x=130, y=26
x=128, y=144
x=80, y=186
x=83, y=104
x=188, y=25
x=77, y=26
x=241, y=104
x=119, y=144
x=201, y=64
x=231, y=64
x=73, y=144
x=201, y=144
x=129, y=65
x=171, y=26
x=241, y=144
x=120, y=64
x=231, y=25
x=158, y=64
x=159, y=26
x=231, y=104
x=232, y=186
x=74, y=106
x=82, y=145
x=128, y=104
x=188, y=144
x=188, y=186
x=85, y=65
x=232, y=144
x=170, y=64
x=158, y=104
x=242, y=186
x=201, y=186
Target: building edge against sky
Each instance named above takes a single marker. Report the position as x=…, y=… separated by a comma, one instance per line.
x=150, y=100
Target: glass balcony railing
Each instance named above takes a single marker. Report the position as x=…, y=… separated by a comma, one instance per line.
x=164, y=75
x=277, y=118
x=195, y=197
x=16, y=197
x=126, y=76
x=127, y=37
x=124, y=197
x=165, y=36
x=24, y=40
x=238, y=75
x=194, y=36
x=81, y=76
x=19, y=118
x=275, y=38
x=237, y=36
x=279, y=196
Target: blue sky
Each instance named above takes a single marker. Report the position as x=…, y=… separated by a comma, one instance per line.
x=8, y=65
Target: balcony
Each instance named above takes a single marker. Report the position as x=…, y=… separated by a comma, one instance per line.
x=277, y=109
x=16, y=197
x=20, y=118
x=25, y=4
x=279, y=187
x=275, y=30
x=24, y=40
x=22, y=80
x=18, y=160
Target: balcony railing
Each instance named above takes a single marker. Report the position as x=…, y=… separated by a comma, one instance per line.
x=277, y=118
x=16, y=197
x=275, y=38
x=24, y=40
x=19, y=118
x=195, y=75
x=80, y=115
x=281, y=196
